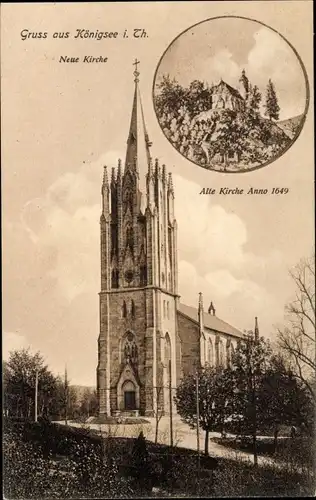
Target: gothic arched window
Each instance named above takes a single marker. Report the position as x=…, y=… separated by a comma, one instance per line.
x=167, y=350
x=232, y=351
x=113, y=239
x=228, y=353
x=115, y=278
x=130, y=351
x=221, y=360
x=221, y=103
x=129, y=237
x=204, y=350
x=128, y=194
x=210, y=354
x=143, y=275
x=169, y=243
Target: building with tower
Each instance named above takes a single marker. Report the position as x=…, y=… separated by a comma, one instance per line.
x=147, y=338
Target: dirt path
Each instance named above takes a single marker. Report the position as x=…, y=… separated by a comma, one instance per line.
x=183, y=437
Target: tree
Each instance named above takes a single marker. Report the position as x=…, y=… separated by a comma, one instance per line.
x=223, y=141
x=89, y=403
x=297, y=340
x=19, y=384
x=249, y=364
x=171, y=95
x=141, y=464
x=198, y=97
x=65, y=395
x=282, y=399
x=214, y=390
x=254, y=100
x=272, y=107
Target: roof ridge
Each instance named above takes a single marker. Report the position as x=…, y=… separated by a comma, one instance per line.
x=230, y=87
x=208, y=316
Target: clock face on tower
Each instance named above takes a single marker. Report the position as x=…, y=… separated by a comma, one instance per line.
x=129, y=275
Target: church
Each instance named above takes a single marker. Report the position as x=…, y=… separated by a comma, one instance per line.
x=226, y=97
x=148, y=339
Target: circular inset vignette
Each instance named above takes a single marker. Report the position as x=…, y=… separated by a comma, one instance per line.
x=231, y=94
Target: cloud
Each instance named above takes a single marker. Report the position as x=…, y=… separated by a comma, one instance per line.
x=221, y=66
x=66, y=219
x=271, y=57
x=12, y=341
x=209, y=236
x=213, y=260
x=237, y=301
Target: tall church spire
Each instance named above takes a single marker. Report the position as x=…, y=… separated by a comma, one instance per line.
x=138, y=144
x=138, y=278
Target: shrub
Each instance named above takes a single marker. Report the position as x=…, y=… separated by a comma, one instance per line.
x=140, y=463
x=87, y=473
x=241, y=478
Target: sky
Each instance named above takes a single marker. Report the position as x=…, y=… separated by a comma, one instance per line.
x=62, y=123
x=214, y=50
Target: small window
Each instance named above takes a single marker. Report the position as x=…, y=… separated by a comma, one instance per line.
x=133, y=309
x=168, y=310
x=164, y=308
x=124, y=310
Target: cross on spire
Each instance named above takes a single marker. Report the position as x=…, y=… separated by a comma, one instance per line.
x=136, y=73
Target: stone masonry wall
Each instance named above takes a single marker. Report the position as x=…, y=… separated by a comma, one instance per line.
x=189, y=336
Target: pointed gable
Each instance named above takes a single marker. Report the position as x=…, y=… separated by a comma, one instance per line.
x=128, y=373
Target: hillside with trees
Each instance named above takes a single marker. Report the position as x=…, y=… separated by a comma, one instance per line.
x=218, y=128
x=57, y=399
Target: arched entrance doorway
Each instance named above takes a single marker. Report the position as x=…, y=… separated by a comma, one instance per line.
x=129, y=394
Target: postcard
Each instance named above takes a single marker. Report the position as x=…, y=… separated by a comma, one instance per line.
x=158, y=249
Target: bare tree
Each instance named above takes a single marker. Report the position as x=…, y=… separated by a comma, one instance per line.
x=297, y=340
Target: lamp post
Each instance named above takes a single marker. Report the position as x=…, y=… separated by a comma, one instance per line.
x=170, y=405
x=36, y=394
x=66, y=397
x=198, y=427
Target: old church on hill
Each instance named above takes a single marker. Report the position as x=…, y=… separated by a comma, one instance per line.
x=226, y=97
x=147, y=338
